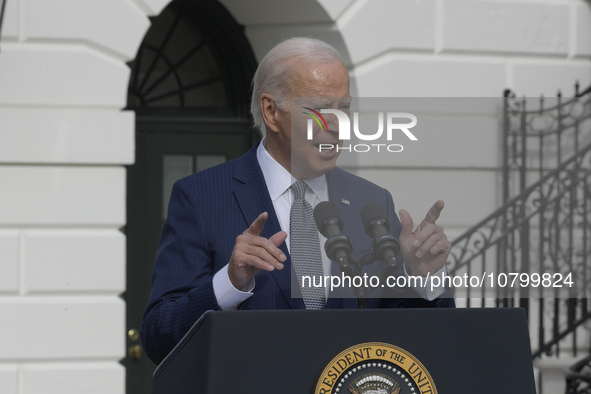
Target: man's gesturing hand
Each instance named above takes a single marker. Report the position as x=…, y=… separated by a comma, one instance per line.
x=253, y=253
x=425, y=249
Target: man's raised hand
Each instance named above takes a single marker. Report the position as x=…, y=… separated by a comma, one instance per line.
x=426, y=248
x=253, y=253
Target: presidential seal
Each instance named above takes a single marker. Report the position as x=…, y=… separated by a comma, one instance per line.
x=375, y=368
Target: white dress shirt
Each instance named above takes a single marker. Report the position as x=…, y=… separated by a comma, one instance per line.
x=279, y=182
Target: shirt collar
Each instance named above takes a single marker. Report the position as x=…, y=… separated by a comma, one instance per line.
x=318, y=186
x=279, y=180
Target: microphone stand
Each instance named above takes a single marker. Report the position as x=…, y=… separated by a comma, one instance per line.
x=338, y=247
x=368, y=259
x=352, y=269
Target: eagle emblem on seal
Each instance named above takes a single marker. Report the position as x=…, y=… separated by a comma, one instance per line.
x=374, y=384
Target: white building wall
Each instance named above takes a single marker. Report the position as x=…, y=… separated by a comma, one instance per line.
x=64, y=140
x=63, y=143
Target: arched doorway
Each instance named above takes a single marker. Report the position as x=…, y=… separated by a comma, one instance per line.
x=189, y=88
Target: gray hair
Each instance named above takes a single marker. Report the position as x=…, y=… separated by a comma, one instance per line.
x=273, y=74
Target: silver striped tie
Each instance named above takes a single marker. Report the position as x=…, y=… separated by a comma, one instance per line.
x=305, y=247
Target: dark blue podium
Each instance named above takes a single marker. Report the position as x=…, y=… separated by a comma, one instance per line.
x=485, y=351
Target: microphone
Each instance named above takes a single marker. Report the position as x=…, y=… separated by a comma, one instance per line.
x=385, y=246
x=338, y=246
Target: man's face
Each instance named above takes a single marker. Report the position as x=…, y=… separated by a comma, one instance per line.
x=317, y=87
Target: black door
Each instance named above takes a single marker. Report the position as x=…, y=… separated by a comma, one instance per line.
x=161, y=159
x=189, y=88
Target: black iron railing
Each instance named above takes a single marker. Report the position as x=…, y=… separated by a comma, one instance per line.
x=543, y=228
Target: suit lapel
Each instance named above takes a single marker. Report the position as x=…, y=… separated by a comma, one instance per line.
x=251, y=193
x=253, y=198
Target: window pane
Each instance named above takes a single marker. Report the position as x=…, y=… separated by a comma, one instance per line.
x=174, y=167
x=205, y=161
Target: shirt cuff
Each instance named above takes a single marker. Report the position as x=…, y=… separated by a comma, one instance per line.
x=429, y=292
x=227, y=296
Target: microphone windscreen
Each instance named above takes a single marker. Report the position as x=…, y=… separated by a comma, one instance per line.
x=323, y=212
x=371, y=212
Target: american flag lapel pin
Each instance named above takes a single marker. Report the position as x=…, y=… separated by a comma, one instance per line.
x=346, y=202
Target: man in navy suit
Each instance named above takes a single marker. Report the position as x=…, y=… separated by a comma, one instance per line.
x=225, y=243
